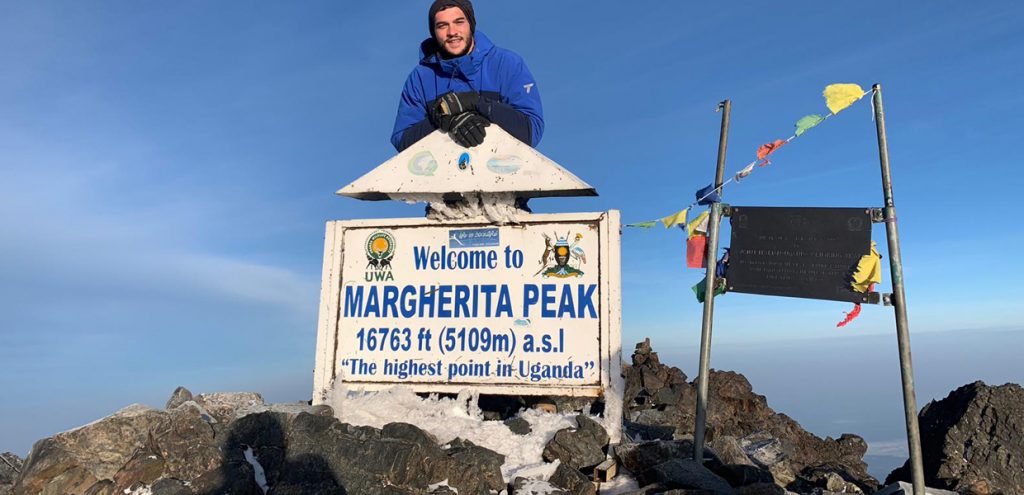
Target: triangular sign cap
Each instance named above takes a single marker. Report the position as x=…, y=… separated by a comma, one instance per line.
x=438, y=165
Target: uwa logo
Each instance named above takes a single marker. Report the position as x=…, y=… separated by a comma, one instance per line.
x=380, y=249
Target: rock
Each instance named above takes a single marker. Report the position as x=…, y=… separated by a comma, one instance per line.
x=102, y=487
x=904, y=488
x=523, y=486
x=145, y=467
x=572, y=481
x=579, y=448
x=657, y=395
x=730, y=451
x=177, y=452
x=322, y=410
x=74, y=460
x=227, y=406
x=169, y=486
x=743, y=474
x=685, y=473
x=180, y=396
x=972, y=441
x=761, y=489
x=828, y=478
x=10, y=468
x=636, y=458
x=763, y=449
x=519, y=425
x=473, y=464
x=640, y=432
x=186, y=444
x=75, y=480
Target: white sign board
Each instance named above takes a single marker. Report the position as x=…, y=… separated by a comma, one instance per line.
x=525, y=309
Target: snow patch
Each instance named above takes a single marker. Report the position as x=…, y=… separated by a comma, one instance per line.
x=441, y=483
x=257, y=468
x=448, y=419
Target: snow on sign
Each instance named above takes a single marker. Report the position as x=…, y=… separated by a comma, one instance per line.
x=529, y=308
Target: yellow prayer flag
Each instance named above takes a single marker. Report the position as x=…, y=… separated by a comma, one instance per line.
x=699, y=224
x=840, y=96
x=869, y=271
x=675, y=218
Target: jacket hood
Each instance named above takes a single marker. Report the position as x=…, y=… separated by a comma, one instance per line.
x=466, y=64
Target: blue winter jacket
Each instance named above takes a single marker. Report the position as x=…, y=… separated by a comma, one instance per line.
x=508, y=93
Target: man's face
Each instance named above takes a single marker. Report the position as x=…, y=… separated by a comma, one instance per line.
x=452, y=32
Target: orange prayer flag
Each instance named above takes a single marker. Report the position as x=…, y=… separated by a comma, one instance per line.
x=767, y=149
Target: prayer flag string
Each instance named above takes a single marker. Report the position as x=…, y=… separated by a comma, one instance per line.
x=838, y=97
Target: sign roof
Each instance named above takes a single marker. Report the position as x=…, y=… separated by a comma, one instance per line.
x=437, y=165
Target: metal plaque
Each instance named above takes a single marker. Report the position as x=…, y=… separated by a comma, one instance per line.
x=798, y=252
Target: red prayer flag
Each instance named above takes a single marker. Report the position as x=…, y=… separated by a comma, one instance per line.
x=696, y=248
x=850, y=316
x=767, y=149
x=855, y=312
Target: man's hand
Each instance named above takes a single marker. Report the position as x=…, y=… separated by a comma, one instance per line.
x=468, y=129
x=450, y=105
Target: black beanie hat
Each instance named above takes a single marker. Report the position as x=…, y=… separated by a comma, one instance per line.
x=439, y=5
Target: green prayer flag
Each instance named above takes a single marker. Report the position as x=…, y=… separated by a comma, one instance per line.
x=807, y=122
x=701, y=289
x=643, y=225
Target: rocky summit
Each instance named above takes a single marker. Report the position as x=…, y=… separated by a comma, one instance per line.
x=754, y=443
x=973, y=441
x=235, y=443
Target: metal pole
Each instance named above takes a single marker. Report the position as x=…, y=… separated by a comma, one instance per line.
x=899, y=301
x=709, y=296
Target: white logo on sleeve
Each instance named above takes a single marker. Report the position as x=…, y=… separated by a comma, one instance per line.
x=528, y=87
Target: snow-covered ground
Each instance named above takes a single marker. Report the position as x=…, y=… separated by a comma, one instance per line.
x=459, y=417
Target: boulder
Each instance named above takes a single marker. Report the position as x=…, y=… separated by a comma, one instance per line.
x=472, y=464
x=730, y=451
x=579, y=448
x=182, y=451
x=972, y=441
x=743, y=474
x=186, y=444
x=687, y=474
x=518, y=425
x=761, y=489
x=637, y=457
x=572, y=481
x=10, y=468
x=227, y=406
x=829, y=478
x=640, y=432
x=180, y=396
x=65, y=462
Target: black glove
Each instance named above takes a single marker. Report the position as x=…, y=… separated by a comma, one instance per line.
x=467, y=129
x=451, y=104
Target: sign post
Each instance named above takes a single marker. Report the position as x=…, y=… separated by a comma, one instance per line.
x=711, y=254
x=525, y=306
x=899, y=300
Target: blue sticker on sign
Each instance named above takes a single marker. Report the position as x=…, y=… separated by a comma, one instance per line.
x=466, y=238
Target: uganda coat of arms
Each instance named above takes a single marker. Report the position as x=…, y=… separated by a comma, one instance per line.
x=562, y=260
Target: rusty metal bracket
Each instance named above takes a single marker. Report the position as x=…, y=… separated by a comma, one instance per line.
x=877, y=215
x=871, y=298
x=726, y=210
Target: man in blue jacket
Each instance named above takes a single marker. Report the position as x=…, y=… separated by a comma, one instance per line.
x=463, y=83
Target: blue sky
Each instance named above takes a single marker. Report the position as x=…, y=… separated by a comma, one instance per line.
x=167, y=169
